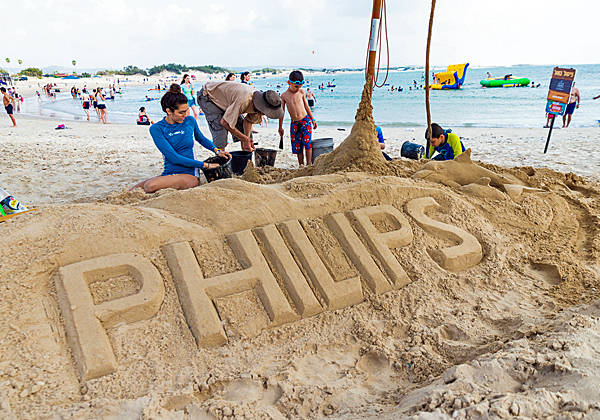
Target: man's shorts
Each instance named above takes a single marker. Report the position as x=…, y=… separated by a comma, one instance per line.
x=9, y=109
x=86, y=105
x=571, y=108
x=301, y=134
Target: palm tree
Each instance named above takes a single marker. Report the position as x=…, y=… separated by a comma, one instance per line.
x=20, y=62
x=74, y=66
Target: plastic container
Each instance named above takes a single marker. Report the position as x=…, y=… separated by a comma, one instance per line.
x=321, y=146
x=412, y=150
x=265, y=157
x=223, y=171
x=9, y=204
x=239, y=160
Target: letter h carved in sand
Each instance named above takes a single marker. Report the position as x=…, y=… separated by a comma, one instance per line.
x=196, y=293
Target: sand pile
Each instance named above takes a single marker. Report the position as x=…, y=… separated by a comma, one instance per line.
x=346, y=296
x=445, y=290
x=360, y=151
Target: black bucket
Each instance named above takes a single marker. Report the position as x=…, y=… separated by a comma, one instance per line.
x=239, y=160
x=265, y=157
x=412, y=150
x=223, y=171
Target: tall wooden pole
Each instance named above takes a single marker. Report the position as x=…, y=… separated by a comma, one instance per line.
x=427, y=80
x=374, y=40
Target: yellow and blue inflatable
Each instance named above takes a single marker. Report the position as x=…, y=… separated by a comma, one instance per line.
x=452, y=78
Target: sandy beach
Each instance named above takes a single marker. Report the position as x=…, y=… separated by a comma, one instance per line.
x=89, y=161
x=378, y=290
x=29, y=87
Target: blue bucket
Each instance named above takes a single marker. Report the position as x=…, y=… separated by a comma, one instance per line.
x=412, y=150
x=321, y=146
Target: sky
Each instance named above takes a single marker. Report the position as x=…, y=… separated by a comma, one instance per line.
x=112, y=34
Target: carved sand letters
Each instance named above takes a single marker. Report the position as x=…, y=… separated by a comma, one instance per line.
x=86, y=322
x=337, y=295
x=291, y=255
x=380, y=243
x=457, y=258
x=196, y=293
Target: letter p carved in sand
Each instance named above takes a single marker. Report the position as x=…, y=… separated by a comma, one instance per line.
x=86, y=322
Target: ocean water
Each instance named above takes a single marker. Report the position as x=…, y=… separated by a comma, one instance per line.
x=470, y=106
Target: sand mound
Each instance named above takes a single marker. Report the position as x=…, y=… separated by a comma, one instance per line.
x=346, y=295
x=360, y=151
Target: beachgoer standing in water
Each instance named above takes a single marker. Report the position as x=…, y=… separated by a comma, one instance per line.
x=574, y=100
x=8, y=105
x=174, y=136
x=188, y=90
x=85, y=103
x=101, y=106
x=302, y=119
x=310, y=97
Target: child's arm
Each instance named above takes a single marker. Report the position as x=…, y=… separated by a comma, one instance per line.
x=454, y=142
x=281, y=132
x=308, y=111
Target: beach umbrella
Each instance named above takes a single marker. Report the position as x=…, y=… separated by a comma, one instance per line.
x=427, y=109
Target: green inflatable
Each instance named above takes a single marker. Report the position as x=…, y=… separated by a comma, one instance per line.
x=505, y=82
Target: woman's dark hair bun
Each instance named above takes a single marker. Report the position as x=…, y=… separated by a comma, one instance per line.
x=173, y=98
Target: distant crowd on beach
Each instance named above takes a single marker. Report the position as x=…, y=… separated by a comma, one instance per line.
x=233, y=107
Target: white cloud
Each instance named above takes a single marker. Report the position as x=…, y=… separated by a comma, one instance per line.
x=115, y=33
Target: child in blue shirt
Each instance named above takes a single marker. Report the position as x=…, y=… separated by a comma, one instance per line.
x=174, y=136
x=382, y=142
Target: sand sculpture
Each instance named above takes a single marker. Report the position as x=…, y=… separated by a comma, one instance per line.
x=481, y=188
x=360, y=150
x=328, y=287
x=458, y=172
x=86, y=322
x=342, y=296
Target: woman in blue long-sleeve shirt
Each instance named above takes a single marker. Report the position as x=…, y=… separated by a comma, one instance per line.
x=174, y=136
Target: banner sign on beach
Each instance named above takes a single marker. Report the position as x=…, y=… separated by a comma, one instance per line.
x=560, y=90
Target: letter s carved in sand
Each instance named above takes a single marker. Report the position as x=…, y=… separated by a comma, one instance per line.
x=456, y=258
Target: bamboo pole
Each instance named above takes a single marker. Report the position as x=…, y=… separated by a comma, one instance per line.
x=427, y=80
x=374, y=40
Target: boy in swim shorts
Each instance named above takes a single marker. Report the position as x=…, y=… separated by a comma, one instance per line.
x=302, y=119
x=8, y=105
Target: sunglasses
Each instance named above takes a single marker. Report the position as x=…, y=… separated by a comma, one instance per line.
x=297, y=82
